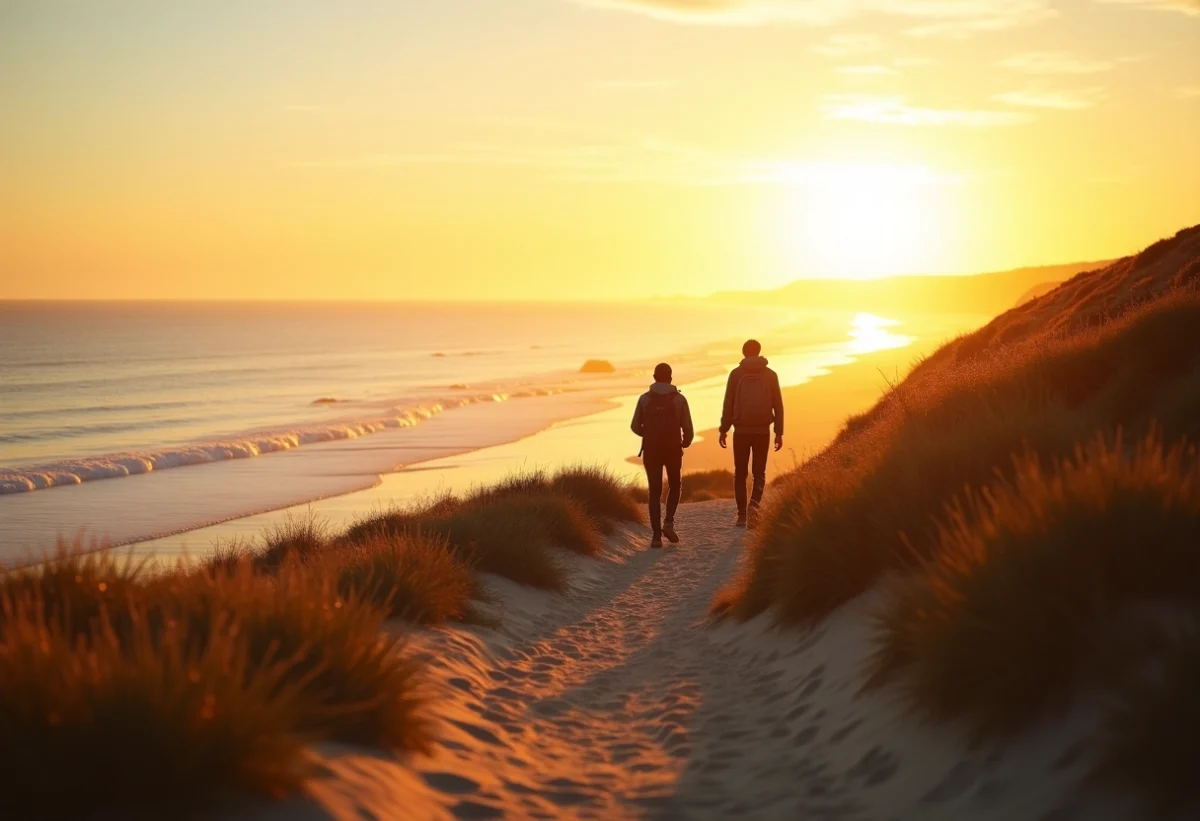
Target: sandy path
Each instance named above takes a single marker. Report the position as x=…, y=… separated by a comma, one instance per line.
x=621, y=701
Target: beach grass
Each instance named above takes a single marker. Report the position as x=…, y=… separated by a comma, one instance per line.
x=698, y=486
x=201, y=682
x=1020, y=605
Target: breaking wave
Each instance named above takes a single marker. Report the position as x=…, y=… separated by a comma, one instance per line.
x=115, y=465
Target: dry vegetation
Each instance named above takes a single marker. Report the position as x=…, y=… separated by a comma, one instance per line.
x=125, y=691
x=1018, y=495
x=700, y=486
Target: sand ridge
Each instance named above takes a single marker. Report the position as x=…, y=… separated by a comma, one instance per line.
x=621, y=700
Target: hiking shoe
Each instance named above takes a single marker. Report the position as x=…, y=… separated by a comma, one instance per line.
x=741, y=520
x=669, y=532
x=752, y=517
x=656, y=542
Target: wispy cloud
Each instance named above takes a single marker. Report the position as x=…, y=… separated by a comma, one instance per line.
x=1190, y=7
x=937, y=18
x=1053, y=62
x=896, y=110
x=632, y=86
x=1188, y=93
x=1060, y=99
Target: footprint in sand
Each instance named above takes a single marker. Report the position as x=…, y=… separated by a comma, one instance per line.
x=876, y=767
x=450, y=783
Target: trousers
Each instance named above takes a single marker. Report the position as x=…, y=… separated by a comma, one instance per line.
x=745, y=446
x=655, y=462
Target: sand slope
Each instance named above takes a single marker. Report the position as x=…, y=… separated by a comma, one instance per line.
x=619, y=701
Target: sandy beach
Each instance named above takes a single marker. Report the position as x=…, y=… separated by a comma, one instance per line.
x=621, y=700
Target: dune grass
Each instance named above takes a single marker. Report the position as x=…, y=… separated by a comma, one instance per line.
x=171, y=688
x=869, y=505
x=157, y=725
x=416, y=577
x=595, y=490
x=127, y=690
x=700, y=486
x=512, y=528
x=1019, y=603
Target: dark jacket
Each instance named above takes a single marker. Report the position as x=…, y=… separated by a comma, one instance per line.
x=682, y=412
x=751, y=363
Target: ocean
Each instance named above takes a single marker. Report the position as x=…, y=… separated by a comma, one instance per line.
x=138, y=419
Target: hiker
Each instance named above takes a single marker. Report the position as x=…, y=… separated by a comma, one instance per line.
x=664, y=421
x=753, y=402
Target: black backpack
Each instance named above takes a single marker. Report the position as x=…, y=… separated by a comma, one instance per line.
x=660, y=424
x=752, y=403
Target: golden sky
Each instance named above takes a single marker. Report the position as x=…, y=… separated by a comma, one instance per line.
x=479, y=149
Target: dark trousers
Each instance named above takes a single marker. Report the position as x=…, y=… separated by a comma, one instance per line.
x=654, y=462
x=745, y=445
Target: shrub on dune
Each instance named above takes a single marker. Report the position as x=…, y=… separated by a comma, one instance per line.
x=1032, y=576
x=490, y=534
x=74, y=585
x=356, y=683
x=415, y=576
x=601, y=494
x=701, y=486
x=164, y=721
x=563, y=520
x=293, y=539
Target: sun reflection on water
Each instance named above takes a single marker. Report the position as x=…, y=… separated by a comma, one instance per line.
x=869, y=333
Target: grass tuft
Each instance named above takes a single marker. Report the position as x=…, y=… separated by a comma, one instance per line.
x=1019, y=604
x=148, y=720
x=416, y=577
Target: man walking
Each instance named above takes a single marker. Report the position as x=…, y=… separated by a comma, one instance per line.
x=664, y=421
x=753, y=403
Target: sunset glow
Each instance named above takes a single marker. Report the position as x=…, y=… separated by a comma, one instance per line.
x=567, y=149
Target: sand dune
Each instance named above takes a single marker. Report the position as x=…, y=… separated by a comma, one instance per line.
x=621, y=701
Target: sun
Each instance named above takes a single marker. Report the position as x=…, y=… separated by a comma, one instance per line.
x=861, y=221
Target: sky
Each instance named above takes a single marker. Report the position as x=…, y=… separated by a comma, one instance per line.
x=578, y=149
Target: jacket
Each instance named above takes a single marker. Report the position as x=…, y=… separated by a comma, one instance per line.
x=682, y=412
x=752, y=363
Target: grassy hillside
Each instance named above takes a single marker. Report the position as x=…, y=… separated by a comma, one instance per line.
x=126, y=692
x=1016, y=503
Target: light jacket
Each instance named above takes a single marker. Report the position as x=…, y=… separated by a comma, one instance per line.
x=752, y=363
x=682, y=412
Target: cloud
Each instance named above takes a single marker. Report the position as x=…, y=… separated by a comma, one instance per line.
x=1059, y=99
x=939, y=18
x=1188, y=93
x=896, y=111
x=1053, y=62
x=1190, y=7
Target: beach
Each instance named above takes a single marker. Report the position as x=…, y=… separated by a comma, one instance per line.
x=829, y=373
x=624, y=700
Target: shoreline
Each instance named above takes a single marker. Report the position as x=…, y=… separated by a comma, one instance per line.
x=825, y=381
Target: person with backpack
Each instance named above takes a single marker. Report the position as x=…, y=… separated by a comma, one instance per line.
x=753, y=403
x=664, y=421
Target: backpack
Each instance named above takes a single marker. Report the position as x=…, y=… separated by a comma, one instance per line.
x=660, y=424
x=752, y=404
